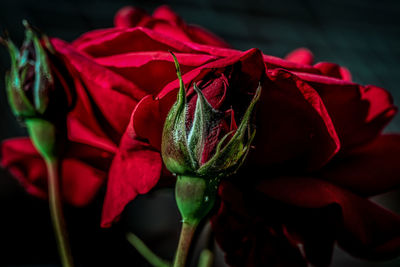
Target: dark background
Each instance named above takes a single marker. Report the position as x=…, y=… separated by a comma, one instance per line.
x=361, y=35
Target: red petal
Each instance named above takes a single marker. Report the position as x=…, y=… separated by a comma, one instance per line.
x=301, y=56
x=104, y=100
x=367, y=230
x=172, y=31
x=147, y=120
x=167, y=22
x=193, y=32
x=142, y=67
x=80, y=181
x=22, y=160
x=135, y=170
x=119, y=41
x=359, y=113
x=334, y=70
x=293, y=125
x=164, y=12
x=368, y=170
x=128, y=17
x=89, y=37
x=203, y=36
x=83, y=169
x=275, y=62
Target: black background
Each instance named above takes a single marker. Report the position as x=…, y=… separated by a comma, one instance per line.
x=361, y=35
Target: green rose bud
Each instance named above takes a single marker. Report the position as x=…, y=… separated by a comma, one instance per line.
x=29, y=80
x=29, y=84
x=184, y=143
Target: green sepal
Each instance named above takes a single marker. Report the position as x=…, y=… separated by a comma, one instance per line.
x=205, y=121
x=229, y=157
x=43, y=77
x=174, y=147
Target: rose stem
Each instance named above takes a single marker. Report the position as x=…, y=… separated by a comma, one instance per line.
x=56, y=212
x=149, y=255
x=185, y=240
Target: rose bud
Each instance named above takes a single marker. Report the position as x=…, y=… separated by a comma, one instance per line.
x=190, y=151
x=29, y=84
x=29, y=80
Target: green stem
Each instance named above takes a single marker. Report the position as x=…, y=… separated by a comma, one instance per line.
x=57, y=213
x=185, y=240
x=149, y=255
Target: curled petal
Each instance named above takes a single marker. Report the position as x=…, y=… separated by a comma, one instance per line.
x=142, y=67
x=359, y=113
x=194, y=32
x=128, y=17
x=301, y=56
x=164, y=12
x=294, y=126
x=334, y=70
x=274, y=62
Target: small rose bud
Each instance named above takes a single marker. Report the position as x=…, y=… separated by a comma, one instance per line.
x=29, y=84
x=29, y=81
x=185, y=143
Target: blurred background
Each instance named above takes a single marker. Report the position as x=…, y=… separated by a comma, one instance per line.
x=362, y=35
